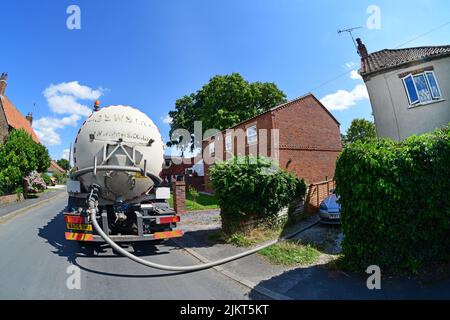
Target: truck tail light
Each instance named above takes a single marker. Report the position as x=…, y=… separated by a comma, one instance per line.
x=173, y=219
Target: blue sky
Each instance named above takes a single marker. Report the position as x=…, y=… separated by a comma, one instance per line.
x=147, y=53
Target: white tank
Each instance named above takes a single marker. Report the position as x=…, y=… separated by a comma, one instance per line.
x=124, y=136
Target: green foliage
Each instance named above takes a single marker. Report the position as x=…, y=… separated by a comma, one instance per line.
x=201, y=202
x=63, y=163
x=360, y=129
x=290, y=253
x=61, y=178
x=223, y=102
x=20, y=155
x=193, y=194
x=248, y=188
x=47, y=179
x=395, y=201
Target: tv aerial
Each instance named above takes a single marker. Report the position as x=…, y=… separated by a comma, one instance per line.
x=350, y=32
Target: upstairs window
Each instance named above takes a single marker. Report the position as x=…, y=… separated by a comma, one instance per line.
x=252, y=135
x=212, y=149
x=228, y=143
x=422, y=87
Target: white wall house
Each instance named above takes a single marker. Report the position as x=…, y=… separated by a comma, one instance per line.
x=409, y=89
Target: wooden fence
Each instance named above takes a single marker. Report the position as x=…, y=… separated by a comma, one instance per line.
x=316, y=193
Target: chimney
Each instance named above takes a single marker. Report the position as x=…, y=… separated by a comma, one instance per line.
x=3, y=79
x=29, y=117
x=362, y=50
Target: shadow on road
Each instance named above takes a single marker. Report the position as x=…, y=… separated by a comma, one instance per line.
x=53, y=233
x=200, y=238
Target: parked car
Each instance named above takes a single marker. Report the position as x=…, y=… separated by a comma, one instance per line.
x=329, y=210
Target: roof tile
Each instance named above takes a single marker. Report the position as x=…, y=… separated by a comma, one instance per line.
x=16, y=119
x=391, y=58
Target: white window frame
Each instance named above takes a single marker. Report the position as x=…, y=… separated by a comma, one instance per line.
x=255, y=136
x=212, y=149
x=228, y=143
x=437, y=85
x=425, y=75
x=411, y=103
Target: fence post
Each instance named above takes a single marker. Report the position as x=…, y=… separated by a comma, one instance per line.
x=318, y=196
x=179, y=196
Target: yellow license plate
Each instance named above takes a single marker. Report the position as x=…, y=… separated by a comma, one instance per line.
x=79, y=226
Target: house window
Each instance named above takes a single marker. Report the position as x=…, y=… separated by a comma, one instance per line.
x=422, y=87
x=252, y=135
x=212, y=149
x=228, y=143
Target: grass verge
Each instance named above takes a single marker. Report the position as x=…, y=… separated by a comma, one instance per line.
x=286, y=253
x=291, y=252
x=199, y=202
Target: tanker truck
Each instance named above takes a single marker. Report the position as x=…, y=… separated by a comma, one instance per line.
x=118, y=154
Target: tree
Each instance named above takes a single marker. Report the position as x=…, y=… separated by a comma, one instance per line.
x=360, y=129
x=63, y=163
x=20, y=155
x=223, y=102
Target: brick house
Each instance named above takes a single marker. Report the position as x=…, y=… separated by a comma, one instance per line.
x=183, y=169
x=54, y=168
x=10, y=117
x=308, y=139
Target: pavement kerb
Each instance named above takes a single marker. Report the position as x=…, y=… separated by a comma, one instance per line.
x=17, y=212
x=247, y=283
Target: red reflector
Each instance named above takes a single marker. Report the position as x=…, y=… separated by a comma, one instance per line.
x=76, y=219
x=169, y=219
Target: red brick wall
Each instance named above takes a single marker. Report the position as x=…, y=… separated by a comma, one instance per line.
x=179, y=197
x=309, y=139
x=313, y=166
x=10, y=198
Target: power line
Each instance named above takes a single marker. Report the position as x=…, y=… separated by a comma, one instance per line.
x=424, y=34
x=409, y=41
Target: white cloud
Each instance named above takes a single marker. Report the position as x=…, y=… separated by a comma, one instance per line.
x=63, y=98
x=167, y=119
x=355, y=75
x=74, y=89
x=342, y=99
x=46, y=127
x=65, y=154
x=350, y=64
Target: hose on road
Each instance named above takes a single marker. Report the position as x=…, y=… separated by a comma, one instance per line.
x=198, y=267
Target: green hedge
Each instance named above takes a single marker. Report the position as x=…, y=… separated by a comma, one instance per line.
x=249, y=188
x=47, y=179
x=395, y=202
x=19, y=156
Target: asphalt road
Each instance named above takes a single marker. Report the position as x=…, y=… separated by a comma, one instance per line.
x=35, y=259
